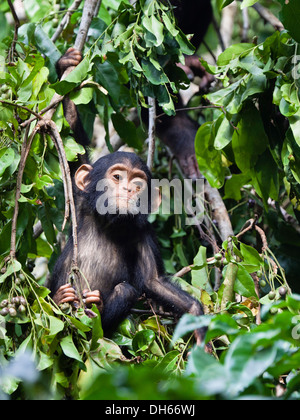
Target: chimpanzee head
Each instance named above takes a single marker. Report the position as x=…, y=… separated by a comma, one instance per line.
x=118, y=187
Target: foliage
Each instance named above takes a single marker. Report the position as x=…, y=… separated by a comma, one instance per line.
x=248, y=147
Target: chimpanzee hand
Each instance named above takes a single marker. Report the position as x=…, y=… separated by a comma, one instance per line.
x=70, y=59
x=94, y=297
x=65, y=294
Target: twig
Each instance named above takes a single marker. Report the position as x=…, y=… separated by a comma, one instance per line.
x=97, y=8
x=43, y=111
x=24, y=155
x=54, y=133
x=263, y=239
x=151, y=132
x=199, y=108
x=248, y=226
x=17, y=25
x=268, y=17
x=256, y=283
x=65, y=20
x=37, y=116
x=246, y=24
x=148, y=312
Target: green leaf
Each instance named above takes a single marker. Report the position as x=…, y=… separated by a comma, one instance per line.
x=248, y=3
x=224, y=134
x=244, y=284
x=72, y=149
x=290, y=17
x=142, y=340
x=82, y=96
x=252, y=259
x=14, y=267
x=169, y=362
x=234, y=184
x=250, y=139
x=69, y=349
x=265, y=178
x=126, y=130
x=154, y=74
x=209, y=159
x=7, y=156
x=56, y=325
x=74, y=78
x=233, y=52
x=155, y=27
x=200, y=277
x=244, y=363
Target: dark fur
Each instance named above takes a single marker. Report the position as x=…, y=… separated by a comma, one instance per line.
x=119, y=255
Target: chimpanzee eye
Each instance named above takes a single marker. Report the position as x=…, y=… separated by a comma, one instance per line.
x=139, y=185
x=117, y=177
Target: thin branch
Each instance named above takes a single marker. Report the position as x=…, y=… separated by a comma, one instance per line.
x=263, y=237
x=98, y=8
x=37, y=116
x=24, y=155
x=54, y=133
x=246, y=24
x=148, y=312
x=248, y=226
x=66, y=19
x=268, y=17
x=17, y=25
x=43, y=111
x=151, y=132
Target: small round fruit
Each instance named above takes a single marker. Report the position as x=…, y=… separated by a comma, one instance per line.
x=283, y=291
x=22, y=309
x=4, y=311
x=15, y=300
x=262, y=283
x=218, y=256
x=12, y=312
x=4, y=303
x=22, y=301
x=272, y=295
x=274, y=311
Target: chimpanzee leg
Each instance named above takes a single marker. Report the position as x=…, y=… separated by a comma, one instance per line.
x=175, y=299
x=118, y=305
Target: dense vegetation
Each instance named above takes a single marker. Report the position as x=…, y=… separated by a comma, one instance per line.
x=247, y=147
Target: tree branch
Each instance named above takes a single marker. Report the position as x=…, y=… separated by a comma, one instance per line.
x=87, y=17
x=151, y=132
x=17, y=25
x=66, y=19
x=24, y=155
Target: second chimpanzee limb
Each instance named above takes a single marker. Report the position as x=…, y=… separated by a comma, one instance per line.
x=178, y=133
x=71, y=59
x=174, y=299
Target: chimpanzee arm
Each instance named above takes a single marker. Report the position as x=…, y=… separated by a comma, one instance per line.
x=118, y=305
x=170, y=296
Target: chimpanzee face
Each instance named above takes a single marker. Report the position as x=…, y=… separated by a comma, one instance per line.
x=119, y=184
x=125, y=187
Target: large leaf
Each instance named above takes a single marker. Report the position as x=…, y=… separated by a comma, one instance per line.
x=290, y=16
x=209, y=159
x=250, y=140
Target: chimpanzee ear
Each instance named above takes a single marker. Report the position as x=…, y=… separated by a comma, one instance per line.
x=155, y=200
x=82, y=176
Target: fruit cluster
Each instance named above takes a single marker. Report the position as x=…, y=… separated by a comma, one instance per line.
x=14, y=306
